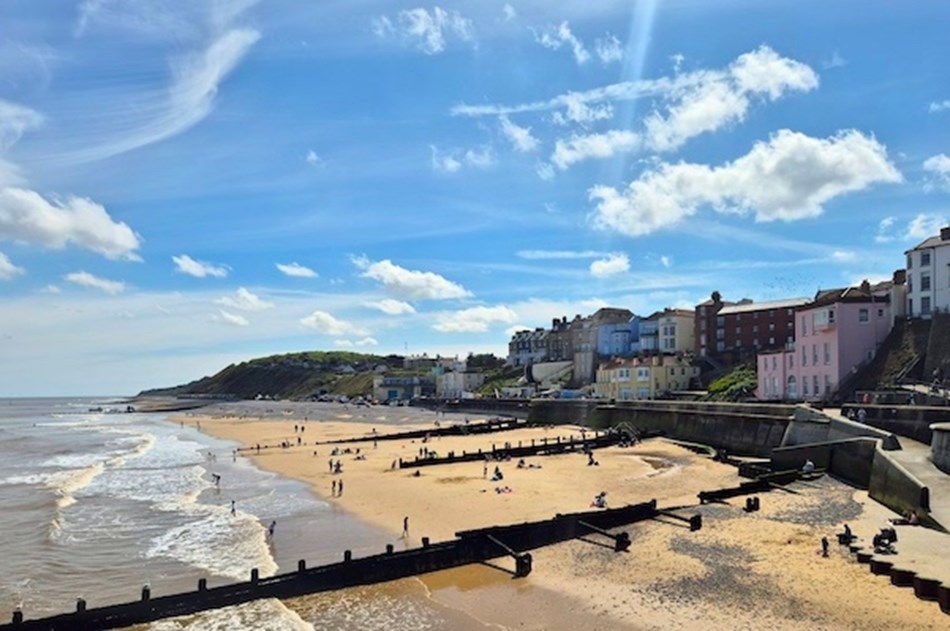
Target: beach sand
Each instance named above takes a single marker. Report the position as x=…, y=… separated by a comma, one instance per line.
x=741, y=571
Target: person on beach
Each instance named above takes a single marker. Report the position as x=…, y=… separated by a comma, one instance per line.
x=824, y=547
x=216, y=478
x=339, y=489
x=334, y=489
x=405, y=527
x=233, y=509
x=330, y=462
x=270, y=529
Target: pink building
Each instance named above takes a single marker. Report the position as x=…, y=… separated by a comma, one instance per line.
x=836, y=333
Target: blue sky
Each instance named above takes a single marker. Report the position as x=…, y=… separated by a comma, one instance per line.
x=188, y=184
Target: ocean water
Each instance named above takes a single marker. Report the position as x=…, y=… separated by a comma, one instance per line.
x=98, y=504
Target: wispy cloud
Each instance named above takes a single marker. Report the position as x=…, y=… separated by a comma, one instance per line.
x=184, y=264
x=427, y=30
x=196, y=77
x=296, y=270
x=324, y=323
x=835, y=61
x=232, y=318
x=554, y=37
x=541, y=255
x=453, y=161
x=609, y=49
x=938, y=167
x=411, y=284
x=474, y=319
x=392, y=307
x=520, y=137
x=939, y=106
x=579, y=148
x=802, y=174
x=920, y=227
x=85, y=279
x=313, y=159
x=245, y=301
x=8, y=270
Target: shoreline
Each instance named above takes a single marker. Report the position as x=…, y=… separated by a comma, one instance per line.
x=667, y=578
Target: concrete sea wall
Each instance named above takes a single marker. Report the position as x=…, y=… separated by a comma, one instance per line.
x=940, y=446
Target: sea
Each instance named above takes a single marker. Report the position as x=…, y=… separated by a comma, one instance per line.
x=98, y=503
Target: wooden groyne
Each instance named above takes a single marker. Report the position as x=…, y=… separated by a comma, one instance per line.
x=536, y=447
x=470, y=546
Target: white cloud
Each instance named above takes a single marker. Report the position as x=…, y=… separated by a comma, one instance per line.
x=520, y=137
x=296, y=270
x=843, y=256
x=453, y=161
x=392, y=307
x=666, y=261
x=787, y=178
x=313, y=159
x=554, y=37
x=14, y=121
x=481, y=159
x=613, y=264
x=324, y=323
x=609, y=49
x=510, y=331
x=925, y=225
x=199, y=269
x=509, y=12
x=474, y=319
x=578, y=148
x=939, y=106
x=885, y=230
x=426, y=30
x=578, y=110
x=535, y=255
x=245, y=301
x=367, y=341
x=26, y=216
x=342, y=344
x=232, y=318
x=835, y=61
x=50, y=289
x=7, y=269
x=718, y=98
x=545, y=171
x=443, y=162
x=411, y=284
x=85, y=279
x=939, y=166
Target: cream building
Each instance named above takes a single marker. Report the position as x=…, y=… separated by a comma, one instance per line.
x=643, y=377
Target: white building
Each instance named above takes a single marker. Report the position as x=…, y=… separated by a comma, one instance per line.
x=458, y=385
x=928, y=276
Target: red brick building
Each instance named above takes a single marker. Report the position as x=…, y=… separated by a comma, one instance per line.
x=733, y=332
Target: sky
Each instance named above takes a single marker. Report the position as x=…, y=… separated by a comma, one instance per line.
x=184, y=185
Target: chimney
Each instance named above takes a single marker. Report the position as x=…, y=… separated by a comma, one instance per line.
x=866, y=286
x=945, y=234
x=900, y=276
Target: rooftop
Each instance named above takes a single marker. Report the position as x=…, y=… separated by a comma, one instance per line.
x=749, y=307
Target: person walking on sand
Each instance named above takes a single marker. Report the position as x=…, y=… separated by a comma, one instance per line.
x=270, y=529
x=824, y=547
x=233, y=509
x=334, y=489
x=405, y=527
x=339, y=489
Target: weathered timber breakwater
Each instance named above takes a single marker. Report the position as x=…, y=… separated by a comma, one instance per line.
x=542, y=447
x=471, y=546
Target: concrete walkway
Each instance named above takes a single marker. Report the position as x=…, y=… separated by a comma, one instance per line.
x=919, y=549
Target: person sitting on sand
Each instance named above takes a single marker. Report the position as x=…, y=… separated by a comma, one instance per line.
x=600, y=500
x=521, y=464
x=498, y=475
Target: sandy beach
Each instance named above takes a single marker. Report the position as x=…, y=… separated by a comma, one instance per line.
x=759, y=570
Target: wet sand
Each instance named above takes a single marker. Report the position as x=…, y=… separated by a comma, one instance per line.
x=759, y=570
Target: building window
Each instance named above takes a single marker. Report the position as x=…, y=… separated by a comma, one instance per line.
x=791, y=388
x=880, y=313
x=827, y=353
x=925, y=305
x=814, y=382
x=804, y=386
x=910, y=306
x=863, y=315
x=804, y=356
x=831, y=316
x=924, y=259
x=814, y=354
x=788, y=311
x=910, y=261
x=791, y=360
x=720, y=334
x=771, y=326
x=925, y=282
x=774, y=364
x=771, y=341
x=755, y=329
x=720, y=320
x=804, y=327
x=738, y=331
x=720, y=346
x=827, y=384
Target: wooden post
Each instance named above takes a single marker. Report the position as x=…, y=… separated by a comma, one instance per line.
x=202, y=584
x=301, y=565
x=146, y=594
x=255, y=576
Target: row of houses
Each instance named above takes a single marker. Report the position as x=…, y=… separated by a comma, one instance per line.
x=804, y=348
